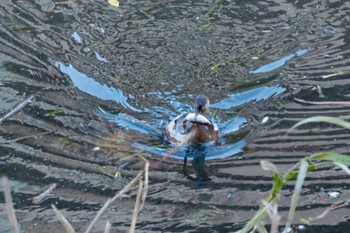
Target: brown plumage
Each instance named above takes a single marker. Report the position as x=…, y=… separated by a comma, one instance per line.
x=193, y=127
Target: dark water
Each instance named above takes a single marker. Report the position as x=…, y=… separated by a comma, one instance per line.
x=97, y=72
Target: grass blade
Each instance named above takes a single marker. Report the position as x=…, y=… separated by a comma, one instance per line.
x=108, y=227
x=145, y=186
x=334, y=157
x=9, y=206
x=109, y=201
x=17, y=108
x=335, y=206
x=258, y=216
x=136, y=207
x=297, y=189
x=325, y=119
x=342, y=166
x=67, y=226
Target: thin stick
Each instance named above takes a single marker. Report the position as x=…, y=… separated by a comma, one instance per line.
x=110, y=201
x=44, y=194
x=66, y=225
x=335, y=206
x=322, y=102
x=108, y=227
x=9, y=206
x=31, y=136
x=136, y=207
x=16, y=108
x=172, y=151
x=275, y=218
x=145, y=186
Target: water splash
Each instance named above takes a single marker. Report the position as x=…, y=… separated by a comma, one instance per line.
x=211, y=151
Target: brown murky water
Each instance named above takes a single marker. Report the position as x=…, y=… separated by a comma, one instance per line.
x=90, y=65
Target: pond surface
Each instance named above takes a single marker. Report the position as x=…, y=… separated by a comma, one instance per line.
x=106, y=81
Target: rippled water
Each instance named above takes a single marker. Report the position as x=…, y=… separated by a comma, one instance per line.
x=111, y=76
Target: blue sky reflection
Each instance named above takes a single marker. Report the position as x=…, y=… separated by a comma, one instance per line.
x=94, y=88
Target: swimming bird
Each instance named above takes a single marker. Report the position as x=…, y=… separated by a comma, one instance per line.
x=193, y=127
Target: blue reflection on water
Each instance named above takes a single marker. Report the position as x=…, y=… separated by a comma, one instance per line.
x=226, y=147
x=129, y=122
x=212, y=151
x=77, y=37
x=100, y=58
x=257, y=94
x=94, y=88
x=232, y=125
x=279, y=63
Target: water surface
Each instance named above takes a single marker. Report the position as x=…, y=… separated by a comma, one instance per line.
x=93, y=68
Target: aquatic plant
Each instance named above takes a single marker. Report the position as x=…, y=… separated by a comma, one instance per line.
x=298, y=172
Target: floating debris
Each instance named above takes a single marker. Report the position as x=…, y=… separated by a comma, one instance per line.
x=52, y=113
x=265, y=119
x=124, y=165
x=44, y=195
x=69, y=138
x=323, y=102
x=333, y=195
x=215, y=67
x=319, y=91
x=77, y=37
x=119, y=176
x=17, y=108
x=206, y=26
x=229, y=195
x=148, y=15
x=100, y=58
x=332, y=75
x=114, y=3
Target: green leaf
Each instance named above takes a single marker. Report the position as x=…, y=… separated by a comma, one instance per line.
x=334, y=157
x=291, y=175
x=277, y=184
x=294, y=174
x=325, y=119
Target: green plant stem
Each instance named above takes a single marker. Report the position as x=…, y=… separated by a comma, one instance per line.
x=258, y=216
x=297, y=189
